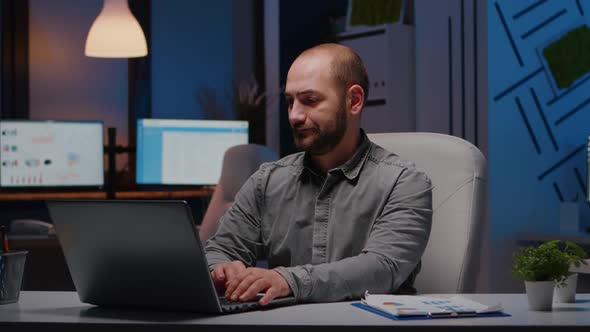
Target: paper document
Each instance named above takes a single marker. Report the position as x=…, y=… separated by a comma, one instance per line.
x=404, y=305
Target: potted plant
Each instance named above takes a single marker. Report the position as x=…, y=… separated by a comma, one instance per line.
x=247, y=103
x=565, y=290
x=540, y=268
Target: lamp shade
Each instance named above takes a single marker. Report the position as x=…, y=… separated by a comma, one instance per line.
x=115, y=33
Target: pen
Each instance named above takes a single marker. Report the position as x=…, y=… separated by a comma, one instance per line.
x=3, y=236
x=452, y=313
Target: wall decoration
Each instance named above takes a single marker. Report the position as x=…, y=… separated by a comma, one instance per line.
x=567, y=58
x=369, y=14
x=538, y=113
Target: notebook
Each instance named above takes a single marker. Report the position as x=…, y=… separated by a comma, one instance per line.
x=422, y=307
x=142, y=254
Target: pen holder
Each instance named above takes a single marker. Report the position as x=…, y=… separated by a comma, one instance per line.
x=12, y=265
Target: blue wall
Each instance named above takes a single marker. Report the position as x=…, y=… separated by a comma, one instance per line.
x=64, y=84
x=537, y=134
x=191, y=48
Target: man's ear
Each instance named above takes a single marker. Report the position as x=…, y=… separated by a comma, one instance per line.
x=356, y=99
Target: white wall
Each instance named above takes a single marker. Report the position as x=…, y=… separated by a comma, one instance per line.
x=465, y=72
x=434, y=69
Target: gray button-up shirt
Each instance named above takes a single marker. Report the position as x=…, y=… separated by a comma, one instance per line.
x=362, y=226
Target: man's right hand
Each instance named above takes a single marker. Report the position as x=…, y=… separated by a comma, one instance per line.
x=223, y=273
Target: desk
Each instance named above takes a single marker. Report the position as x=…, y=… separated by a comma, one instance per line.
x=62, y=311
x=204, y=191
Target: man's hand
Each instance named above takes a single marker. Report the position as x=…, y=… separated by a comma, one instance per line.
x=252, y=281
x=223, y=273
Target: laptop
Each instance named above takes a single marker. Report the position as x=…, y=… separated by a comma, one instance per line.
x=142, y=254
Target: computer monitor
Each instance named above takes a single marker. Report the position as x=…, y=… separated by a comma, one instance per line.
x=184, y=152
x=51, y=154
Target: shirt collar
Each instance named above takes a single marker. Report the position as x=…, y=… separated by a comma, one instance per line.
x=353, y=166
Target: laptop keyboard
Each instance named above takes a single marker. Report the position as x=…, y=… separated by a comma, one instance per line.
x=228, y=305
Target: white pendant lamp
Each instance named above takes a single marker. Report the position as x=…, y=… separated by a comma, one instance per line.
x=115, y=33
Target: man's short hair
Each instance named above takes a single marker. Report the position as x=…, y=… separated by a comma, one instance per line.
x=347, y=66
x=349, y=69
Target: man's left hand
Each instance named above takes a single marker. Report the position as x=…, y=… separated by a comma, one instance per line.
x=255, y=280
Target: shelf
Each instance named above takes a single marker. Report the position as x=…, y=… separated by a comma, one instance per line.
x=582, y=268
x=388, y=54
x=27, y=242
x=146, y=194
x=202, y=192
x=582, y=239
x=366, y=32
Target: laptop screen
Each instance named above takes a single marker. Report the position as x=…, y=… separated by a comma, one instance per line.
x=185, y=152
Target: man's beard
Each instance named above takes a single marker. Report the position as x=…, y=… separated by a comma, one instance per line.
x=325, y=140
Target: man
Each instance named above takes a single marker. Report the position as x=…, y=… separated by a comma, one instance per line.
x=342, y=217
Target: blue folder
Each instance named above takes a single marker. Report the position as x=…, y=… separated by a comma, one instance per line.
x=390, y=316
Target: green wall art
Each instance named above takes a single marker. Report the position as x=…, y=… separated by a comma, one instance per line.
x=569, y=57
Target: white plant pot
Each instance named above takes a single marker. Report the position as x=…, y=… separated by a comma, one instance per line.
x=567, y=293
x=540, y=294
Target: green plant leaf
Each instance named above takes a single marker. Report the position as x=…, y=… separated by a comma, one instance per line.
x=543, y=263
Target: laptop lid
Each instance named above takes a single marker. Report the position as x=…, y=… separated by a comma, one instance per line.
x=126, y=253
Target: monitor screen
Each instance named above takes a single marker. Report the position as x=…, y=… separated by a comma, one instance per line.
x=185, y=152
x=51, y=153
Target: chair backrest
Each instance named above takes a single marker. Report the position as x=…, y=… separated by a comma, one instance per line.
x=457, y=169
x=239, y=163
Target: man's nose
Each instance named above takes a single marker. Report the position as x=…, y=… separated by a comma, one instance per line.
x=296, y=114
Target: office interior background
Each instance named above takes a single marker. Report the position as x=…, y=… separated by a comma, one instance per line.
x=470, y=68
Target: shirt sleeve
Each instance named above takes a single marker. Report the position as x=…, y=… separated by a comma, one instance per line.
x=395, y=245
x=239, y=235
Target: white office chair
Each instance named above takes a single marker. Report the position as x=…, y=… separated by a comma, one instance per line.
x=457, y=169
x=239, y=162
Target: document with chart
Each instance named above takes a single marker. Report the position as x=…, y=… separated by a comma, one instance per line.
x=423, y=306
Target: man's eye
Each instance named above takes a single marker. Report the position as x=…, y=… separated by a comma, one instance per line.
x=312, y=101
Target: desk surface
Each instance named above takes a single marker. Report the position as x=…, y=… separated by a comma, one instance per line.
x=62, y=311
x=204, y=191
